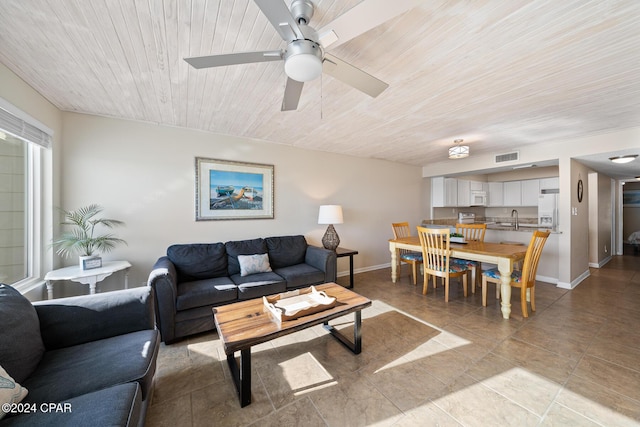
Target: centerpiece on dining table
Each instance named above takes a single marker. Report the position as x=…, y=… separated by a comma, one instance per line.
x=456, y=238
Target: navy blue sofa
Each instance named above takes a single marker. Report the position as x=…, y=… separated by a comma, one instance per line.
x=87, y=360
x=193, y=278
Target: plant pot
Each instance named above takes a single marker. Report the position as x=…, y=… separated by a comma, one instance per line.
x=89, y=262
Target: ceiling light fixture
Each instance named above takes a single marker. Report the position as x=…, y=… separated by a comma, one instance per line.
x=623, y=159
x=303, y=60
x=458, y=151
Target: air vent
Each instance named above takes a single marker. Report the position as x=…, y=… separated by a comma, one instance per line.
x=507, y=157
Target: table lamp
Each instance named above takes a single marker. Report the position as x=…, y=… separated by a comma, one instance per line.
x=330, y=214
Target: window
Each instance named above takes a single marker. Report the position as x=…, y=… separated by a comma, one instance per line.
x=23, y=141
x=14, y=196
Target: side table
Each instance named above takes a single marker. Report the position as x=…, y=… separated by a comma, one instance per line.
x=342, y=252
x=87, y=277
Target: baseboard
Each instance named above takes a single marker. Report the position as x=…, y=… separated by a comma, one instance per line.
x=547, y=279
x=600, y=264
x=364, y=269
x=575, y=282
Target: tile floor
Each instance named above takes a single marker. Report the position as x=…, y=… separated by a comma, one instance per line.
x=574, y=362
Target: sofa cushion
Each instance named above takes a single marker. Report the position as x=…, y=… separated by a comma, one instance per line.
x=198, y=261
x=259, y=289
x=252, y=264
x=120, y=405
x=21, y=346
x=286, y=250
x=10, y=391
x=205, y=292
x=243, y=247
x=73, y=371
x=301, y=275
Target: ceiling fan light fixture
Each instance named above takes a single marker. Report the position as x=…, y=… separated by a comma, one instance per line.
x=303, y=60
x=623, y=159
x=458, y=151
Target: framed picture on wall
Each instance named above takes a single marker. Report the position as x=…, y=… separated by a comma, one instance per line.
x=631, y=198
x=233, y=190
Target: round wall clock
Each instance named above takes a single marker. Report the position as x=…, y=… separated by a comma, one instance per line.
x=580, y=191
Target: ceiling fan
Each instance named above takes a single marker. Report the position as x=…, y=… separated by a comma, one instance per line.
x=304, y=57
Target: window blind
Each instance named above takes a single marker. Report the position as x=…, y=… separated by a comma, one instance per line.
x=20, y=124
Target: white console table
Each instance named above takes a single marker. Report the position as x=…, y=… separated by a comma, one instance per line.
x=87, y=277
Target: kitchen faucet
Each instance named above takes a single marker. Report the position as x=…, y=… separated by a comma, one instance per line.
x=517, y=222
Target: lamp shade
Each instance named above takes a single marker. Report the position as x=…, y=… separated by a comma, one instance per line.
x=330, y=214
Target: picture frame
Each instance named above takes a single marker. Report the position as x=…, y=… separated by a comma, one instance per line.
x=227, y=190
x=631, y=198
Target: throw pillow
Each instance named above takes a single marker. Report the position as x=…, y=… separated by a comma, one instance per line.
x=10, y=391
x=21, y=346
x=252, y=264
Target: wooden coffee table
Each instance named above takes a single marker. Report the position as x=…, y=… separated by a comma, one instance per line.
x=244, y=324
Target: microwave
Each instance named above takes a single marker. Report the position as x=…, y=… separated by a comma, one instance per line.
x=478, y=198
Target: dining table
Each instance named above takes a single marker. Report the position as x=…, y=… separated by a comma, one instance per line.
x=501, y=254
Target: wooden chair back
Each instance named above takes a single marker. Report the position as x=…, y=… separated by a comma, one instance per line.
x=527, y=282
x=400, y=230
x=436, y=250
x=472, y=232
x=435, y=244
x=532, y=257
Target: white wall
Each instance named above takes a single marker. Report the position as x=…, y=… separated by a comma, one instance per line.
x=22, y=96
x=143, y=174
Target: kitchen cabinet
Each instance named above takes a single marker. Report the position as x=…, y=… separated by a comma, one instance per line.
x=512, y=193
x=464, y=192
x=521, y=193
x=530, y=192
x=437, y=192
x=496, y=194
x=550, y=183
x=477, y=186
x=444, y=192
x=450, y=192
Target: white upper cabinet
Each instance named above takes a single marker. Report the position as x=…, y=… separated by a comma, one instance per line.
x=450, y=192
x=530, y=192
x=521, y=193
x=550, y=183
x=464, y=192
x=496, y=194
x=512, y=193
x=444, y=192
x=437, y=192
x=477, y=186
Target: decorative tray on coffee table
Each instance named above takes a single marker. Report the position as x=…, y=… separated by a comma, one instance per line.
x=301, y=302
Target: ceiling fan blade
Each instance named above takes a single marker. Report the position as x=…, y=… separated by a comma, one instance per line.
x=292, y=92
x=280, y=17
x=234, y=58
x=361, y=18
x=353, y=76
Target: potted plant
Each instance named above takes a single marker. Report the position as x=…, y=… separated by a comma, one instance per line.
x=82, y=238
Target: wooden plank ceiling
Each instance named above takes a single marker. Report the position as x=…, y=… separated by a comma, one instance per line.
x=499, y=74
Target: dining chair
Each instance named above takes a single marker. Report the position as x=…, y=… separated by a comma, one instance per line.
x=471, y=233
x=524, y=279
x=435, y=243
x=401, y=229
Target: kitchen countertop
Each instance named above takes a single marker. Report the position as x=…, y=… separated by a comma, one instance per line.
x=500, y=226
x=523, y=227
